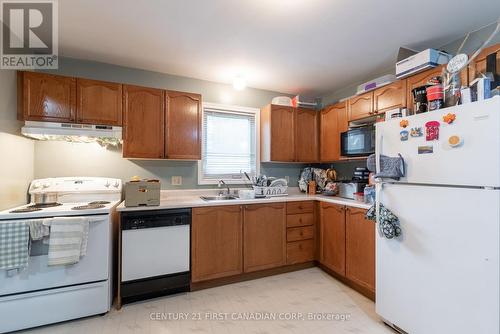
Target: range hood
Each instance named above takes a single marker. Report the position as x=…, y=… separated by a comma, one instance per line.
x=80, y=133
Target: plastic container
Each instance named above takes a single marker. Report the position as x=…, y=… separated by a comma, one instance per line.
x=246, y=193
x=435, y=97
x=369, y=193
x=359, y=197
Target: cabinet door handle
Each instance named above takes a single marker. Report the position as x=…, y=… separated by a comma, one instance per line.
x=300, y=220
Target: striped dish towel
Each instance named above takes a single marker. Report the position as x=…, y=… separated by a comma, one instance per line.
x=14, y=245
x=67, y=235
x=37, y=229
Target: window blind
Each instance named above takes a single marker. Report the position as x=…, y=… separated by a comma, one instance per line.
x=229, y=144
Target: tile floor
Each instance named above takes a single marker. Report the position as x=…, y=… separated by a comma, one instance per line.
x=299, y=294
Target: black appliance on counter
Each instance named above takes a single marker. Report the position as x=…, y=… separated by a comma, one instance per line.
x=358, y=141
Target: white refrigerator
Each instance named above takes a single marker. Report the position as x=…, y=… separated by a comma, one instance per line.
x=442, y=274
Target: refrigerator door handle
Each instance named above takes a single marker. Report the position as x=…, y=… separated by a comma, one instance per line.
x=378, y=147
x=378, y=186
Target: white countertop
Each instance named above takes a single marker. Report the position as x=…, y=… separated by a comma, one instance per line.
x=175, y=199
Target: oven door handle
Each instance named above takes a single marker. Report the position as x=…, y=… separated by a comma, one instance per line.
x=48, y=221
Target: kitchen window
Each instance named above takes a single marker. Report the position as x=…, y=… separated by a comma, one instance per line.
x=229, y=145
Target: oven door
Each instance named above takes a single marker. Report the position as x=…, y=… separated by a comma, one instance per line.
x=93, y=267
x=358, y=142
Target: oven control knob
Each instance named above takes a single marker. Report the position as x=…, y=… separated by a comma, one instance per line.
x=46, y=185
x=116, y=184
x=36, y=185
x=107, y=184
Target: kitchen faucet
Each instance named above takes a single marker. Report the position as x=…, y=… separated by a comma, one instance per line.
x=221, y=182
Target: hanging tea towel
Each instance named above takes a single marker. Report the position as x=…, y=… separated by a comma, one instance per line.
x=388, y=222
x=67, y=236
x=14, y=245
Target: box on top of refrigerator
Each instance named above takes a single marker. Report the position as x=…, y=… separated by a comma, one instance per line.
x=421, y=61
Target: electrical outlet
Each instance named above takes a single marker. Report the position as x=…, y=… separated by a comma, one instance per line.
x=287, y=178
x=176, y=180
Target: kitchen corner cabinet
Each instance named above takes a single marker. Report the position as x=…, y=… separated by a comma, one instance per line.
x=306, y=137
x=264, y=236
x=46, y=97
x=360, y=248
x=183, y=126
x=143, y=122
x=277, y=128
x=216, y=242
x=360, y=106
x=333, y=121
x=288, y=134
x=99, y=102
x=389, y=97
x=332, y=246
x=419, y=79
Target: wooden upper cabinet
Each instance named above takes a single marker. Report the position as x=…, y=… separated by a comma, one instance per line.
x=216, y=242
x=99, y=102
x=277, y=133
x=389, y=97
x=361, y=106
x=306, y=139
x=264, y=236
x=360, y=248
x=333, y=121
x=417, y=80
x=143, y=122
x=332, y=237
x=183, y=129
x=46, y=97
x=478, y=65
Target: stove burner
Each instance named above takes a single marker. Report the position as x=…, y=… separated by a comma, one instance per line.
x=88, y=207
x=26, y=209
x=43, y=205
x=99, y=202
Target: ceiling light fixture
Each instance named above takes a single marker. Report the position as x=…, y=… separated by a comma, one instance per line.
x=239, y=83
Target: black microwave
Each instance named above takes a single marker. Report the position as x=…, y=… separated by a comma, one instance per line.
x=358, y=142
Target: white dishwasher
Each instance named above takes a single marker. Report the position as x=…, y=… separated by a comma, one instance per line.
x=155, y=253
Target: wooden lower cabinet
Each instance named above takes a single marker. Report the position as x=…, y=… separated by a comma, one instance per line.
x=300, y=251
x=360, y=248
x=216, y=242
x=332, y=237
x=264, y=236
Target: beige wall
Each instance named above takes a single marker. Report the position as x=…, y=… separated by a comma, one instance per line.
x=16, y=152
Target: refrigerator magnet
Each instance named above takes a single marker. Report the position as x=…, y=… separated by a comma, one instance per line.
x=403, y=123
x=403, y=135
x=455, y=141
x=416, y=132
x=426, y=149
x=449, y=118
x=432, y=130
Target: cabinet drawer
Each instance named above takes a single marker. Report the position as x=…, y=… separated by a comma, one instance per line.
x=299, y=207
x=299, y=233
x=299, y=251
x=304, y=219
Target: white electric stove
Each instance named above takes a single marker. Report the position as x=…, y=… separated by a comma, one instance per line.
x=40, y=294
